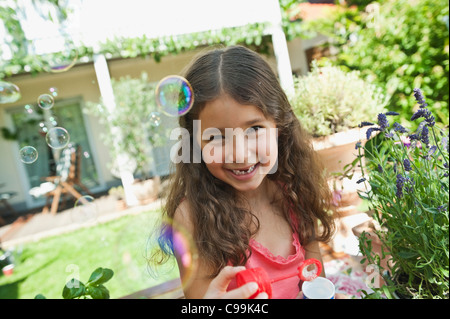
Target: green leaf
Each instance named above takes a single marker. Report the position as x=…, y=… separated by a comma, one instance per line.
x=73, y=289
x=40, y=296
x=100, y=276
x=99, y=292
x=407, y=254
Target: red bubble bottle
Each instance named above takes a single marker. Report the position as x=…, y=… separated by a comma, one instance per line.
x=308, y=270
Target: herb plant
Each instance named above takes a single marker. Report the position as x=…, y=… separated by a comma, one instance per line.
x=329, y=100
x=94, y=288
x=406, y=174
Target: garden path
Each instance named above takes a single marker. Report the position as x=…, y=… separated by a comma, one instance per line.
x=33, y=227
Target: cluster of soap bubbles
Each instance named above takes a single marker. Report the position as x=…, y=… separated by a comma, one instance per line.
x=174, y=97
x=56, y=137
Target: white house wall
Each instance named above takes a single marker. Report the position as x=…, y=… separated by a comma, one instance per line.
x=80, y=81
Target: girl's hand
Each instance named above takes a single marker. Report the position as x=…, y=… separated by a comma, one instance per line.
x=217, y=289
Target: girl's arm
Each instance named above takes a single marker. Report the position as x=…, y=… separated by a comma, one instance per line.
x=312, y=250
x=200, y=285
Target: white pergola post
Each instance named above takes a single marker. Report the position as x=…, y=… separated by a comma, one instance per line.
x=281, y=50
x=107, y=93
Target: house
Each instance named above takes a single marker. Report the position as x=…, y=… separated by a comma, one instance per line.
x=26, y=123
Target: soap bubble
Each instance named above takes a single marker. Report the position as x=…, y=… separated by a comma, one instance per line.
x=85, y=209
x=45, y=101
x=135, y=260
x=57, y=137
x=65, y=59
x=28, y=154
x=53, y=91
x=9, y=92
x=183, y=244
x=154, y=119
x=174, y=95
x=29, y=109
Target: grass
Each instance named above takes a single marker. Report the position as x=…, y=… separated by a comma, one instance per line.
x=45, y=266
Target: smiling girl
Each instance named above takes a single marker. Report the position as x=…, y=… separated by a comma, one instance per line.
x=257, y=197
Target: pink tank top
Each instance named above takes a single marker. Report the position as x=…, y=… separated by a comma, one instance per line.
x=277, y=266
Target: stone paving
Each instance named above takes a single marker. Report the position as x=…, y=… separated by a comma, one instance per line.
x=33, y=227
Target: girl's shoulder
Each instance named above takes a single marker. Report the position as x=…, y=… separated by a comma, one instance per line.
x=183, y=217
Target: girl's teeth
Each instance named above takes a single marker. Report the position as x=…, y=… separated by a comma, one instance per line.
x=237, y=172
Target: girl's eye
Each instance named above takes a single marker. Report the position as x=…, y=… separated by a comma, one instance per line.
x=253, y=129
x=216, y=138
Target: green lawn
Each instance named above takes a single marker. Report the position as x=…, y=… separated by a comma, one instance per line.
x=45, y=266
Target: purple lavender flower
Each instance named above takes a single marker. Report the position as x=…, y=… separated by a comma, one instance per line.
x=364, y=123
x=370, y=130
x=407, y=164
x=426, y=114
x=418, y=114
x=392, y=113
x=400, y=183
x=420, y=98
x=432, y=150
x=414, y=137
x=380, y=168
x=382, y=121
x=359, y=181
x=399, y=128
x=424, y=135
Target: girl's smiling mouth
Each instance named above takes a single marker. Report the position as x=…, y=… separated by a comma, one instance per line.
x=244, y=173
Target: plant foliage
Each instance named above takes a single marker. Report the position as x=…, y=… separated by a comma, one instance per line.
x=93, y=289
x=399, y=44
x=329, y=100
x=408, y=177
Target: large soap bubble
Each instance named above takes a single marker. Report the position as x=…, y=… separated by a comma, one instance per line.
x=45, y=101
x=9, y=92
x=61, y=61
x=174, y=95
x=57, y=137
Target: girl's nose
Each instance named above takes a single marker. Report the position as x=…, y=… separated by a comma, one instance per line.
x=240, y=149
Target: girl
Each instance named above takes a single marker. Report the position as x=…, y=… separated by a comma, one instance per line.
x=246, y=204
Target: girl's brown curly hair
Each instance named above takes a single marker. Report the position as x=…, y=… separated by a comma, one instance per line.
x=222, y=229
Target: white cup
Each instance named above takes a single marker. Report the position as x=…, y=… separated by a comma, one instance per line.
x=319, y=288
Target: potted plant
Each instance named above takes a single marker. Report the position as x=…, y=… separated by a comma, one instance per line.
x=407, y=177
x=331, y=103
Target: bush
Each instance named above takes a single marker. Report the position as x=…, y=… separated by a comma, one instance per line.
x=328, y=100
x=398, y=44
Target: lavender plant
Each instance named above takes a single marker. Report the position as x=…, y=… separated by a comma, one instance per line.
x=406, y=174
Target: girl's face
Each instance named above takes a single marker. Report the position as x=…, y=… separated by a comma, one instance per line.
x=239, y=144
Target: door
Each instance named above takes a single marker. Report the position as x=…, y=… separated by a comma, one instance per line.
x=31, y=124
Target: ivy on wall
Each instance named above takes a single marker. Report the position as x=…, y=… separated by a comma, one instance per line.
x=253, y=35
